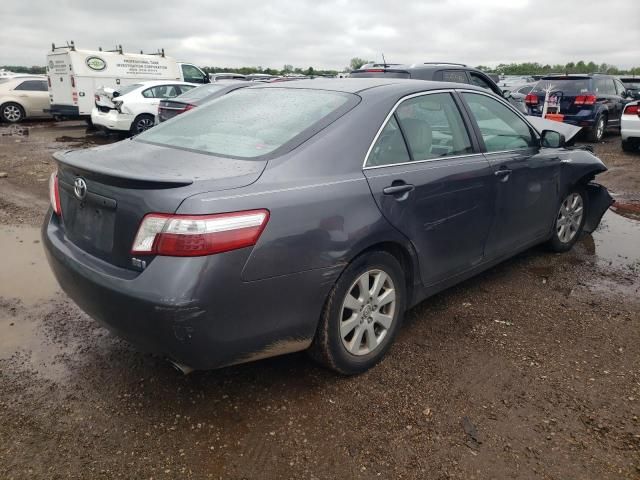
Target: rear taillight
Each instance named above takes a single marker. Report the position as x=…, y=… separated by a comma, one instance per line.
x=631, y=110
x=188, y=107
x=73, y=82
x=197, y=235
x=54, y=193
x=375, y=70
x=585, y=100
x=531, y=99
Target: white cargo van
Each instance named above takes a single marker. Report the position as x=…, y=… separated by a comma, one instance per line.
x=75, y=75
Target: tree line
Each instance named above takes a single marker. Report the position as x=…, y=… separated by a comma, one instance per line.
x=525, y=68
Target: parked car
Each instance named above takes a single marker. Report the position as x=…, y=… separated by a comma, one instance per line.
x=308, y=215
x=133, y=108
x=215, y=77
x=436, y=71
x=517, y=96
x=594, y=102
x=23, y=97
x=630, y=129
x=509, y=83
x=169, y=108
x=632, y=84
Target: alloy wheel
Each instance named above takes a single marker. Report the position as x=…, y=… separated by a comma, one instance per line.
x=12, y=113
x=600, y=128
x=367, y=312
x=143, y=124
x=569, y=217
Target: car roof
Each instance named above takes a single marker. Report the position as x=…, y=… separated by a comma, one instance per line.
x=154, y=83
x=357, y=85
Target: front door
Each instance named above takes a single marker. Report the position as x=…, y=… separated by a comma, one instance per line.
x=526, y=177
x=433, y=185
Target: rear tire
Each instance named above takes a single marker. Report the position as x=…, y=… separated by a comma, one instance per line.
x=596, y=133
x=358, y=324
x=141, y=123
x=629, y=146
x=12, y=112
x=569, y=222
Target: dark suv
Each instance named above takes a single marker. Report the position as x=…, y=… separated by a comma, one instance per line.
x=439, y=72
x=594, y=101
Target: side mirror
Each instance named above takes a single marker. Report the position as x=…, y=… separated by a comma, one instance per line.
x=552, y=139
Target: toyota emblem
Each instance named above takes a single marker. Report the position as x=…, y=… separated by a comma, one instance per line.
x=80, y=188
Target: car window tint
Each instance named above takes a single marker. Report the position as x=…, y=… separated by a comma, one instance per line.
x=162, y=91
x=604, y=86
x=458, y=76
x=525, y=90
x=390, y=147
x=501, y=128
x=251, y=122
x=433, y=127
x=478, y=81
x=33, y=86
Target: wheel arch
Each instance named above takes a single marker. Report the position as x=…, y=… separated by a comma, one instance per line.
x=12, y=101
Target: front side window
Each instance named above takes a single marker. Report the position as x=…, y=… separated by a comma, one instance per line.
x=433, y=127
x=501, y=128
x=478, y=81
x=253, y=122
x=191, y=74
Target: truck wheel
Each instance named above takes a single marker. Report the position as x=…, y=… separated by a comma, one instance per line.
x=596, y=133
x=141, y=123
x=629, y=146
x=12, y=112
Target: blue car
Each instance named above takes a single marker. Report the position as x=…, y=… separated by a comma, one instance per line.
x=308, y=215
x=594, y=102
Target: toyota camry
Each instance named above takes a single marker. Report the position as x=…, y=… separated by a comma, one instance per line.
x=308, y=215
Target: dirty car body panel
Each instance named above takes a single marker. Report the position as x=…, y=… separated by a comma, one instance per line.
x=324, y=204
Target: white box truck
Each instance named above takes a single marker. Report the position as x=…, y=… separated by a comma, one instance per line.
x=75, y=75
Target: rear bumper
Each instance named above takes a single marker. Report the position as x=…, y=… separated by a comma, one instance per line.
x=586, y=119
x=111, y=120
x=630, y=127
x=196, y=311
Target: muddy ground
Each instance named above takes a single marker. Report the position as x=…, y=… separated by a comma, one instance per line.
x=529, y=371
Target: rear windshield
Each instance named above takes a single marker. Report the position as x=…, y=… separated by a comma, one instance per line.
x=128, y=88
x=252, y=122
x=568, y=86
x=635, y=84
x=199, y=93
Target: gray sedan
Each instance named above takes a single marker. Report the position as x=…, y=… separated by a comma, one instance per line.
x=308, y=215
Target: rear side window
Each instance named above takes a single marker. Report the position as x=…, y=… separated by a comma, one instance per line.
x=161, y=91
x=457, y=76
x=33, y=86
x=390, y=147
x=433, y=127
x=253, y=122
x=501, y=128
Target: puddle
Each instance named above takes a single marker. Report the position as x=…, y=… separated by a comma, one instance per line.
x=25, y=273
x=617, y=242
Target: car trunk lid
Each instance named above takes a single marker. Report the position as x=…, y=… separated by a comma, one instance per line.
x=106, y=191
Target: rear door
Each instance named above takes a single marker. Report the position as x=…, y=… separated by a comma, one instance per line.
x=431, y=182
x=525, y=176
x=34, y=96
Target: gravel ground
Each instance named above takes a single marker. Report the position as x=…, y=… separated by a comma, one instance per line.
x=528, y=371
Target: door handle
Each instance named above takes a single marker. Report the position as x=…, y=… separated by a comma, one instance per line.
x=503, y=174
x=398, y=189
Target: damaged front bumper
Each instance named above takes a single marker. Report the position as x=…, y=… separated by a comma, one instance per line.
x=598, y=201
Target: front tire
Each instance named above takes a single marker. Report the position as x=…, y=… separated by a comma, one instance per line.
x=141, y=123
x=570, y=218
x=596, y=133
x=12, y=112
x=362, y=315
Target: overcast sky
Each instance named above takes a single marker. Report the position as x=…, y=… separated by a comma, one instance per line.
x=327, y=34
